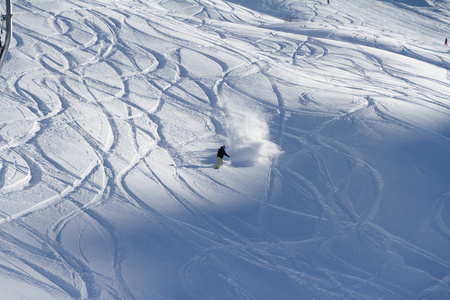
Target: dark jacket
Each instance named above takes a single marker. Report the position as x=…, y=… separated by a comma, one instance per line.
x=221, y=152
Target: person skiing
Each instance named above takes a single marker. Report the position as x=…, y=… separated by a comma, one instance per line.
x=220, y=154
x=445, y=42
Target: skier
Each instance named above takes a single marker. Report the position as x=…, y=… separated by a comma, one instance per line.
x=328, y=1
x=445, y=42
x=220, y=153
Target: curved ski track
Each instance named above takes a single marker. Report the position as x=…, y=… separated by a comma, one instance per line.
x=111, y=84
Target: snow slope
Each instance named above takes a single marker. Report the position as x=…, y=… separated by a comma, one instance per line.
x=336, y=118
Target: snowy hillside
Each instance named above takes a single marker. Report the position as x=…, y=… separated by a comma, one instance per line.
x=336, y=118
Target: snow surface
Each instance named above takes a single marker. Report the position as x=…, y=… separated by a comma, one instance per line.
x=336, y=118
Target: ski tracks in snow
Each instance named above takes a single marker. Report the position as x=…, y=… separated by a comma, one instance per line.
x=110, y=100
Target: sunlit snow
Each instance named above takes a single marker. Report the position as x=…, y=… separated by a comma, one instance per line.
x=336, y=118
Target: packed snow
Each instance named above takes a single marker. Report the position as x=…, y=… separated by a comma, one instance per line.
x=336, y=118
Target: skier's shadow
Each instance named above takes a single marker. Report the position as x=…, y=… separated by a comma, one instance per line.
x=242, y=157
x=193, y=166
x=211, y=159
x=207, y=162
x=239, y=158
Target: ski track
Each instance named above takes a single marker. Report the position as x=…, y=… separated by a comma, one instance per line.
x=89, y=43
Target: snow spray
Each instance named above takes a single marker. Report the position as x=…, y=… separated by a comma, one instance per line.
x=248, y=140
